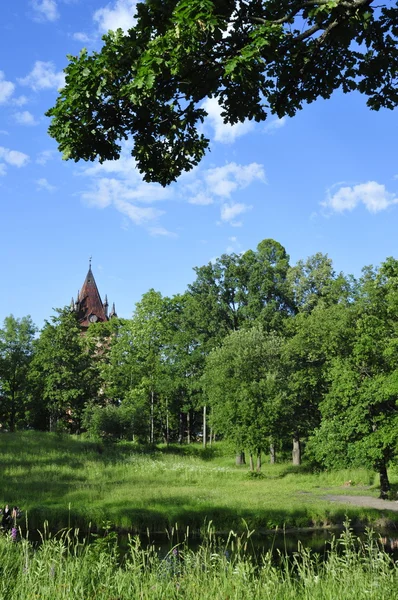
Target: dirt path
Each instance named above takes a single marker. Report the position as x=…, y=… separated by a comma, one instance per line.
x=364, y=501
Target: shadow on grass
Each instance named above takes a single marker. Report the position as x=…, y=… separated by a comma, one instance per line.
x=172, y=514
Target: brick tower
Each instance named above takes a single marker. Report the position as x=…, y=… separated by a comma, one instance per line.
x=89, y=306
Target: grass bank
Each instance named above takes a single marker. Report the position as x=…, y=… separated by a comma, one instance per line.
x=71, y=482
x=66, y=569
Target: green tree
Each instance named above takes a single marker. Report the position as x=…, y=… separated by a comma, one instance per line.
x=218, y=299
x=244, y=382
x=109, y=423
x=315, y=335
x=307, y=355
x=314, y=281
x=267, y=292
x=238, y=291
x=63, y=372
x=359, y=413
x=16, y=351
x=259, y=57
x=234, y=292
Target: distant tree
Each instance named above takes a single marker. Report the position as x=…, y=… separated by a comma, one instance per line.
x=245, y=385
x=314, y=281
x=63, y=372
x=307, y=355
x=359, y=413
x=238, y=291
x=267, y=292
x=109, y=423
x=16, y=351
x=317, y=333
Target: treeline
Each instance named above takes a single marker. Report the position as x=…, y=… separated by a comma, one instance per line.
x=257, y=351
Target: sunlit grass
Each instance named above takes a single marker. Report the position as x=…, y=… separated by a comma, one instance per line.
x=71, y=480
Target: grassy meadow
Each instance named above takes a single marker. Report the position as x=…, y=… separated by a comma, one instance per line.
x=72, y=482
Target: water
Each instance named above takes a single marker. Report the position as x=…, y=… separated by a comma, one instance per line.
x=279, y=542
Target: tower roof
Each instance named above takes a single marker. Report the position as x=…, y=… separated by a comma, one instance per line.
x=89, y=304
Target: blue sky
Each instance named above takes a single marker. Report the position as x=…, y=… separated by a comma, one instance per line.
x=323, y=181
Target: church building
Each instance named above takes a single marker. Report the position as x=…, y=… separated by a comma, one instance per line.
x=89, y=306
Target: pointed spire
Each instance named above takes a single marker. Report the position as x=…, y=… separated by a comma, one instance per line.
x=72, y=304
x=106, y=306
x=113, y=312
x=90, y=306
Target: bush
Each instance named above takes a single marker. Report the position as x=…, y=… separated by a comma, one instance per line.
x=108, y=423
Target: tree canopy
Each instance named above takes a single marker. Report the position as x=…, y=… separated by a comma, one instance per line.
x=255, y=58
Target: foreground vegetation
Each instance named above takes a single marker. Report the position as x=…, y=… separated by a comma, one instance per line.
x=65, y=567
x=69, y=481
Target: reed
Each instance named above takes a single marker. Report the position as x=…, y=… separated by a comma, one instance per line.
x=67, y=567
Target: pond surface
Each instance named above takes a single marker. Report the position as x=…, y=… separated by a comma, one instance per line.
x=279, y=543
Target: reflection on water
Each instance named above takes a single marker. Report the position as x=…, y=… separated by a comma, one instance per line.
x=279, y=543
x=389, y=543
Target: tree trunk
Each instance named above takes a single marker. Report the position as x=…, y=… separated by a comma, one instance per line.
x=152, y=436
x=12, y=413
x=167, y=424
x=384, y=482
x=258, y=467
x=204, y=428
x=211, y=436
x=188, y=427
x=240, y=458
x=296, y=453
x=181, y=429
x=272, y=454
x=251, y=462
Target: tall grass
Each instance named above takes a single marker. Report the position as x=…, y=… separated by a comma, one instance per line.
x=71, y=481
x=66, y=568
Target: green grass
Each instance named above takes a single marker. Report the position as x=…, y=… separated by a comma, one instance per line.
x=64, y=568
x=69, y=481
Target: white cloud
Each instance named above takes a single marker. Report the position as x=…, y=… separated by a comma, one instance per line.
x=120, y=14
x=224, y=132
x=222, y=181
x=43, y=76
x=42, y=184
x=20, y=101
x=25, y=118
x=137, y=214
x=6, y=89
x=44, y=156
x=79, y=36
x=45, y=10
x=13, y=157
x=203, y=199
x=229, y=211
x=372, y=195
x=3, y=169
x=161, y=231
x=119, y=184
x=274, y=125
x=219, y=183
